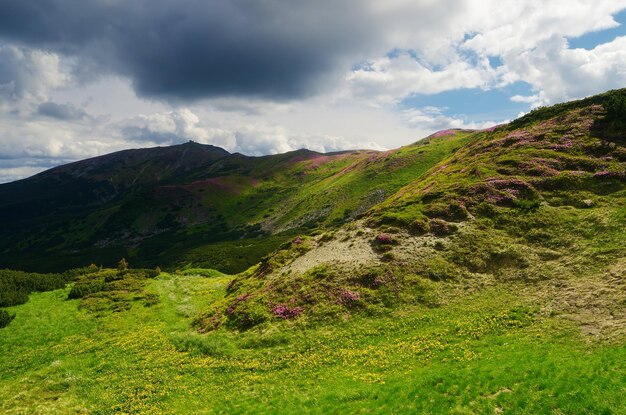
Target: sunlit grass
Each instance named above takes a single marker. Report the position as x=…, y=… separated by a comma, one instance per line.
x=487, y=353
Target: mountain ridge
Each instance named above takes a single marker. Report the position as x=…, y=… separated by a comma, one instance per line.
x=139, y=194
x=158, y=205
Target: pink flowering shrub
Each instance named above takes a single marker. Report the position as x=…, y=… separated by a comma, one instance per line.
x=286, y=311
x=385, y=239
x=348, y=297
x=606, y=174
x=441, y=227
x=247, y=311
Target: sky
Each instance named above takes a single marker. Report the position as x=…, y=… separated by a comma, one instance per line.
x=84, y=78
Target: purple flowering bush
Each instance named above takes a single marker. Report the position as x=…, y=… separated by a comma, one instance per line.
x=286, y=311
x=348, y=297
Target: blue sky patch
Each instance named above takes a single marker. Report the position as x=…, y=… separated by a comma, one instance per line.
x=475, y=104
x=591, y=40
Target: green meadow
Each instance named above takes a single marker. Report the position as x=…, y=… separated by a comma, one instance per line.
x=489, y=352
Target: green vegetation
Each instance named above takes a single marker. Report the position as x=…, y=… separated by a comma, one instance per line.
x=15, y=286
x=5, y=318
x=482, y=353
x=473, y=272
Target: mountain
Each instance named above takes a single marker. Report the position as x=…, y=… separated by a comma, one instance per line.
x=185, y=203
x=470, y=272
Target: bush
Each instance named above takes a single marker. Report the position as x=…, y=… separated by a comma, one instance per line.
x=246, y=312
x=5, y=318
x=419, y=227
x=616, y=109
x=527, y=205
x=388, y=257
x=287, y=311
x=83, y=288
x=10, y=297
x=452, y=211
x=438, y=269
x=441, y=227
x=15, y=286
x=122, y=265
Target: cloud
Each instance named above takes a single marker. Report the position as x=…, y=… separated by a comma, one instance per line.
x=433, y=119
x=559, y=73
x=27, y=76
x=255, y=139
x=196, y=48
x=184, y=50
x=79, y=79
x=391, y=79
x=16, y=169
x=61, y=111
x=189, y=49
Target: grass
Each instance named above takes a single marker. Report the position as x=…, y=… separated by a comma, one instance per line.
x=489, y=352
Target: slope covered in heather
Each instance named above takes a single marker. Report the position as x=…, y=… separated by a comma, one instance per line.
x=537, y=204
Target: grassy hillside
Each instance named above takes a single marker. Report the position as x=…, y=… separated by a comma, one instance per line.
x=156, y=206
x=540, y=200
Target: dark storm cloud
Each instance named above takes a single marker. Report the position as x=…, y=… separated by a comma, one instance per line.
x=60, y=111
x=189, y=49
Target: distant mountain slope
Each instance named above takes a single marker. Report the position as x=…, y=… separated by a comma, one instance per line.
x=155, y=205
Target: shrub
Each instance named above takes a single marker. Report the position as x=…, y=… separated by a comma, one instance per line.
x=328, y=236
x=441, y=227
x=286, y=311
x=83, y=288
x=348, y=298
x=453, y=211
x=569, y=180
x=527, y=205
x=419, y=227
x=10, y=297
x=383, y=242
x=122, y=265
x=5, y=318
x=151, y=299
x=616, y=108
x=15, y=286
x=246, y=312
x=111, y=275
x=388, y=257
x=438, y=269
x=385, y=239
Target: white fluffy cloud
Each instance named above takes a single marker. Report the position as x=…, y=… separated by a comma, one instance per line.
x=255, y=138
x=433, y=119
x=389, y=79
x=559, y=73
x=529, y=38
x=27, y=77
